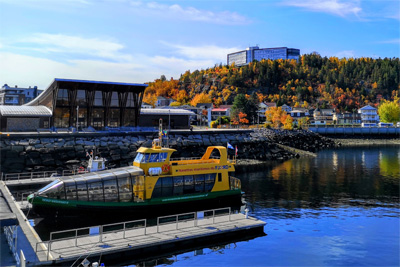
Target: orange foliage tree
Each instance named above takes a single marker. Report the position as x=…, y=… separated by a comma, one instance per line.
x=200, y=98
x=278, y=117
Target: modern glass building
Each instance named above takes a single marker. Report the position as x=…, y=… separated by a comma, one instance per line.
x=92, y=103
x=255, y=53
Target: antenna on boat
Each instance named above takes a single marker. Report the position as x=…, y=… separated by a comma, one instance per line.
x=158, y=142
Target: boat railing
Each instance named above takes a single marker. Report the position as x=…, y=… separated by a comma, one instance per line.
x=38, y=175
x=125, y=230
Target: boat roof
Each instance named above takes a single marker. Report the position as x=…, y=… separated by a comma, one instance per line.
x=155, y=150
x=104, y=175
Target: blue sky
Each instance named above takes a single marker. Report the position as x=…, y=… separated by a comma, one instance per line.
x=138, y=41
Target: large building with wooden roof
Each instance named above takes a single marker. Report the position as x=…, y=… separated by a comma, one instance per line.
x=77, y=103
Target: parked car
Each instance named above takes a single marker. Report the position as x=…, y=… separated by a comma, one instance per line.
x=366, y=124
x=385, y=124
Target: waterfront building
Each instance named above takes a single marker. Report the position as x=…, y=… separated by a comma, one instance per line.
x=347, y=118
x=81, y=103
x=323, y=116
x=17, y=95
x=286, y=108
x=220, y=111
x=369, y=115
x=244, y=57
x=172, y=118
x=298, y=113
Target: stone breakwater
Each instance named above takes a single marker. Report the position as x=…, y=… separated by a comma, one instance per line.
x=69, y=152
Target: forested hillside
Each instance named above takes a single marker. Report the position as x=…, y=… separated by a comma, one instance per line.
x=344, y=84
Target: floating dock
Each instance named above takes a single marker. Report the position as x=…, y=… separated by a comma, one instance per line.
x=131, y=239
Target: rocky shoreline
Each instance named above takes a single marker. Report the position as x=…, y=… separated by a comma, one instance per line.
x=366, y=142
x=69, y=152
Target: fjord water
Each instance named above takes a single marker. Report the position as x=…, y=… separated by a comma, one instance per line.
x=338, y=209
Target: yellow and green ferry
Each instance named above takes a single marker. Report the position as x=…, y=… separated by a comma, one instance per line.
x=155, y=183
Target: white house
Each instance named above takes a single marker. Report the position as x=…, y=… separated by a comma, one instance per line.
x=286, y=108
x=369, y=115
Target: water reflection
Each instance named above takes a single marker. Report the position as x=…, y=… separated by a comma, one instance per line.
x=332, y=178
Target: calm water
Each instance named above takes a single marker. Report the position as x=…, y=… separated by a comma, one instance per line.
x=338, y=209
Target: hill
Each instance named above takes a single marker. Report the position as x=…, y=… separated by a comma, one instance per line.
x=345, y=84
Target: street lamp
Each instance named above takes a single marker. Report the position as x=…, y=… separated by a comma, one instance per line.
x=77, y=117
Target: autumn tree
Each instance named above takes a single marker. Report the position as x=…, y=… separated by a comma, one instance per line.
x=389, y=111
x=276, y=116
x=200, y=98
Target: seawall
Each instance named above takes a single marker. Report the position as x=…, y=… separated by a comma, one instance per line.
x=38, y=152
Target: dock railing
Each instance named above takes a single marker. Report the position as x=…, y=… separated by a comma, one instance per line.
x=117, y=231
x=11, y=236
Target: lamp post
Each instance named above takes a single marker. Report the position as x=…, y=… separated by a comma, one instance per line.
x=77, y=117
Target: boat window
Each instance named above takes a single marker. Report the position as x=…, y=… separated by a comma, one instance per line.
x=82, y=191
x=56, y=191
x=157, y=189
x=219, y=177
x=139, y=157
x=164, y=187
x=188, y=186
x=163, y=156
x=199, y=183
x=178, y=185
x=95, y=191
x=209, y=181
x=145, y=158
x=155, y=157
x=110, y=190
x=42, y=190
x=167, y=187
x=125, y=189
x=70, y=191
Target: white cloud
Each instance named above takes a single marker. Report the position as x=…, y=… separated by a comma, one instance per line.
x=25, y=70
x=340, y=8
x=60, y=43
x=68, y=59
x=213, y=52
x=176, y=11
x=392, y=41
x=346, y=54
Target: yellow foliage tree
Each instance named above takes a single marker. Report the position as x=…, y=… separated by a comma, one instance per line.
x=150, y=99
x=277, y=116
x=288, y=125
x=389, y=111
x=200, y=98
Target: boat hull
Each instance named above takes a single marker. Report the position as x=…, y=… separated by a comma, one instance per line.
x=119, y=211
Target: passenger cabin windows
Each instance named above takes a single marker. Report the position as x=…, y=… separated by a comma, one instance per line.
x=107, y=187
x=182, y=185
x=95, y=190
x=110, y=190
x=151, y=157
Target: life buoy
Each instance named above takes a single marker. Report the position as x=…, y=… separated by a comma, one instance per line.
x=81, y=169
x=165, y=168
